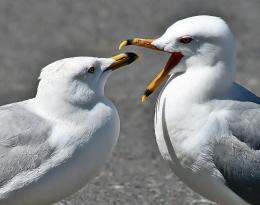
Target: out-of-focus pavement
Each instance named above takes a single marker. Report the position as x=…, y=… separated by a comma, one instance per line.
x=34, y=33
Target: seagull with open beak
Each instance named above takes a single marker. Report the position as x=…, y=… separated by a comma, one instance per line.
x=154, y=44
x=206, y=125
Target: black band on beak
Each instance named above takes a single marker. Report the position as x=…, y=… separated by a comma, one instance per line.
x=122, y=60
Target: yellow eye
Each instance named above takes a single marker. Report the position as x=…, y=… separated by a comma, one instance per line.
x=91, y=70
x=185, y=39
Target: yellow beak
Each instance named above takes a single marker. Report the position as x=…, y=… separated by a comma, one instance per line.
x=147, y=43
x=122, y=60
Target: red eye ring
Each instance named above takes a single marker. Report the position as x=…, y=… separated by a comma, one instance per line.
x=185, y=39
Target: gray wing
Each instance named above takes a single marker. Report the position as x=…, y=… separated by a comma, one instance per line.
x=239, y=93
x=237, y=156
x=23, y=144
x=244, y=118
x=240, y=167
x=244, y=123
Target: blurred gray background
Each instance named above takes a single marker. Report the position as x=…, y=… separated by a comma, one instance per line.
x=34, y=33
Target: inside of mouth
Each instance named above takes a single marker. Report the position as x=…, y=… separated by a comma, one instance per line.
x=173, y=60
x=164, y=73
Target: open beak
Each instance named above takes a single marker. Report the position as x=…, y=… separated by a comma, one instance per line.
x=122, y=60
x=164, y=73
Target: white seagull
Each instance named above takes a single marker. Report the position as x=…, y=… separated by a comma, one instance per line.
x=51, y=145
x=206, y=125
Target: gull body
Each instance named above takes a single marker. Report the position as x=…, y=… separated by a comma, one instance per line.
x=204, y=116
x=53, y=144
x=206, y=125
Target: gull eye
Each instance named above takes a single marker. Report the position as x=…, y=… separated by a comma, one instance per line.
x=185, y=39
x=91, y=70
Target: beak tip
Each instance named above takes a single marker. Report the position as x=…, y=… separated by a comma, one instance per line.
x=146, y=94
x=144, y=98
x=122, y=45
x=122, y=59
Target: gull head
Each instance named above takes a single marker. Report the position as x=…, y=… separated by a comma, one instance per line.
x=79, y=80
x=194, y=43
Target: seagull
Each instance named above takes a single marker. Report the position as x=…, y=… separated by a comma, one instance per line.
x=206, y=124
x=53, y=144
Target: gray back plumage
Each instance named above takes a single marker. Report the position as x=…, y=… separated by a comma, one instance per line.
x=240, y=167
x=237, y=156
x=23, y=141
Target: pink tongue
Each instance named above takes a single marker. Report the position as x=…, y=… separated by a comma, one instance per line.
x=173, y=60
